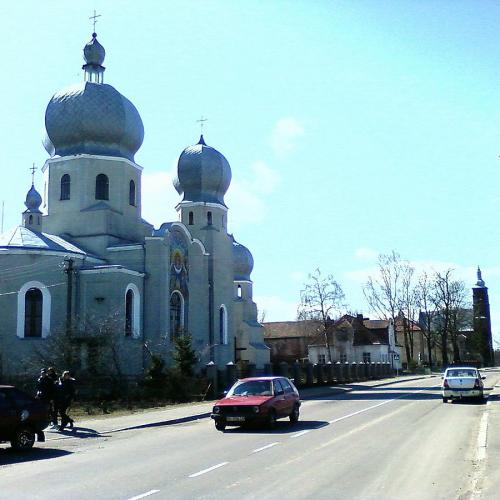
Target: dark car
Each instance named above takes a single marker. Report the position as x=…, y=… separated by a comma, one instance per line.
x=257, y=400
x=22, y=418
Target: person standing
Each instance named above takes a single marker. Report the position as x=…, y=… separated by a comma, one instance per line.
x=52, y=374
x=65, y=393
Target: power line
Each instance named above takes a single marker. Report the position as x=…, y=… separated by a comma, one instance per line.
x=40, y=287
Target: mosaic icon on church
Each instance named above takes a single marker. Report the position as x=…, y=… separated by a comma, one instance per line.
x=179, y=267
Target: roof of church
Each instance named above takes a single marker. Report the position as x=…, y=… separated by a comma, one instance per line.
x=22, y=237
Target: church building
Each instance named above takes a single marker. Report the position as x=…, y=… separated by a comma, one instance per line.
x=90, y=257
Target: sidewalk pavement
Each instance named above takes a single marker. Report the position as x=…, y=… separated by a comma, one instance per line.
x=176, y=414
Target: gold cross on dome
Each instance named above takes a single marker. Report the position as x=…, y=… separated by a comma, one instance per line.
x=33, y=168
x=94, y=17
x=201, y=121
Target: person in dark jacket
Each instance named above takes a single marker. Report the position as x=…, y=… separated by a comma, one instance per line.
x=44, y=387
x=52, y=374
x=65, y=393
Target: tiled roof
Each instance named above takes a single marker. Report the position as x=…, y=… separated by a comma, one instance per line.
x=281, y=329
x=24, y=238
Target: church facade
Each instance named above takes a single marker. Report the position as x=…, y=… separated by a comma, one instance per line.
x=89, y=256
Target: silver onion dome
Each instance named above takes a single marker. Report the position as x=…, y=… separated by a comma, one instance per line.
x=92, y=117
x=33, y=200
x=242, y=262
x=203, y=174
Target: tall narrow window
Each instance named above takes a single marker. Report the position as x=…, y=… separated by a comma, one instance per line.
x=223, y=325
x=191, y=218
x=131, y=194
x=65, y=187
x=239, y=291
x=209, y=218
x=176, y=314
x=102, y=187
x=129, y=312
x=33, y=307
x=30, y=219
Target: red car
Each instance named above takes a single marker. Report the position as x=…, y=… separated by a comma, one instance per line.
x=257, y=400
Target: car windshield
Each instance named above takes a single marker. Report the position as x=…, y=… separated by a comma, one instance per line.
x=252, y=388
x=461, y=373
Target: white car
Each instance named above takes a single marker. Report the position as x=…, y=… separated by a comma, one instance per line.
x=462, y=382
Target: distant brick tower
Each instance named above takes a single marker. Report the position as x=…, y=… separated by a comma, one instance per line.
x=483, y=341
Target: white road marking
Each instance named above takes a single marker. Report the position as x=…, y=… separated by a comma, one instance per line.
x=150, y=492
x=482, y=437
x=301, y=433
x=204, y=471
x=265, y=447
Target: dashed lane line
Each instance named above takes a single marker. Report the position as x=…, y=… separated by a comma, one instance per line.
x=301, y=433
x=204, y=471
x=265, y=447
x=144, y=495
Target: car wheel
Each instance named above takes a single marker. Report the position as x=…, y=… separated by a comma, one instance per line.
x=271, y=419
x=445, y=400
x=220, y=426
x=294, y=416
x=23, y=439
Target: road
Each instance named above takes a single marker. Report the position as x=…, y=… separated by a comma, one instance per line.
x=377, y=442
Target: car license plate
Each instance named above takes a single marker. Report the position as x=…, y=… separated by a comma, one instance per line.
x=235, y=419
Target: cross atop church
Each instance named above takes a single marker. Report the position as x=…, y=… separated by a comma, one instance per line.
x=94, y=17
x=201, y=121
x=33, y=168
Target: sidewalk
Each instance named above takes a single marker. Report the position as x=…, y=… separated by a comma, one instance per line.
x=176, y=414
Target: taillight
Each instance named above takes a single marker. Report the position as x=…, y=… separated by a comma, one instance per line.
x=445, y=384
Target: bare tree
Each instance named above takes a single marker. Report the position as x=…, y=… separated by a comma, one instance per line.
x=450, y=303
x=391, y=294
x=321, y=300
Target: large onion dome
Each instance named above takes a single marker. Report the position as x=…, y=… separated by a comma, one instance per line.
x=203, y=174
x=92, y=117
x=242, y=262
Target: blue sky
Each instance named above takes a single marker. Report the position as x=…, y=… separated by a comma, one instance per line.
x=352, y=127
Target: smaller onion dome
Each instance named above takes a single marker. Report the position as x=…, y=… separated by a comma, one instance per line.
x=242, y=262
x=33, y=200
x=203, y=174
x=93, y=52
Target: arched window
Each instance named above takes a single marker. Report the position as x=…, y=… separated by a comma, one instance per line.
x=176, y=314
x=129, y=312
x=33, y=303
x=102, y=187
x=30, y=219
x=209, y=218
x=132, y=311
x=239, y=292
x=223, y=324
x=33, y=310
x=131, y=193
x=191, y=218
x=65, y=187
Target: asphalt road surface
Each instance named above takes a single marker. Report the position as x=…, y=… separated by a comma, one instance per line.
x=395, y=441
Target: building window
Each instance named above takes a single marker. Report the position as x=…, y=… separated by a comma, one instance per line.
x=176, y=314
x=30, y=219
x=239, y=292
x=33, y=309
x=129, y=312
x=321, y=359
x=65, y=187
x=131, y=193
x=223, y=325
x=191, y=218
x=367, y=357
x=343, y=358
x=209, y=218
x=102, y=187
x=132, y=311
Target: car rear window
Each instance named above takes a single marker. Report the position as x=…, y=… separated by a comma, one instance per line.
x=461, y=373
x=286, y=385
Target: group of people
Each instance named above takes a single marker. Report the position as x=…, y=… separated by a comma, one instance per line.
x=58, y=393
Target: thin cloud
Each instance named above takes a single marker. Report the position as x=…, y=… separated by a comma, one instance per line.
x=364, y=253
x=276, y=308
x=285, y=135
